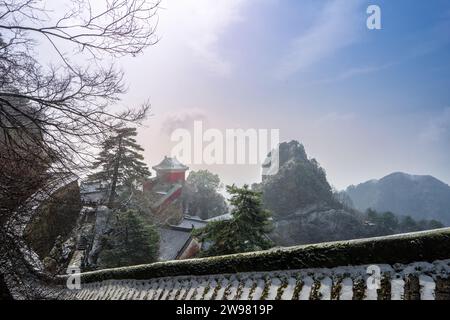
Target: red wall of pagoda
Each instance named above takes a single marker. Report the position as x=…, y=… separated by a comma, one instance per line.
x=170, y=199
x=173, y=176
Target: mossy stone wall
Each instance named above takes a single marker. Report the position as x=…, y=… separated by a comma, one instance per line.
x=406, y=248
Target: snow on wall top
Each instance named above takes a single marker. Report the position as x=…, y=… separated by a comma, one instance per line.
x=420, y=280
x=409, y=266
x=406, y=248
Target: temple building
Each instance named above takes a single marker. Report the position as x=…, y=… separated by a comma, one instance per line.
x=171, y=170
x=165, y=190
x=164, y=194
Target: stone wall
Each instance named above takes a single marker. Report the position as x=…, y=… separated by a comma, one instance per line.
x=412, y=266
x=420, y=280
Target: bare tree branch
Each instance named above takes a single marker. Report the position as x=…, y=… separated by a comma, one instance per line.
x=54, y=115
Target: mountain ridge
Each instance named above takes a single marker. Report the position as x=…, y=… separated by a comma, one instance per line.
x=419, y=196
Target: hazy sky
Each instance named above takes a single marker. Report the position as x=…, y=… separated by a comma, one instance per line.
x=364, y=102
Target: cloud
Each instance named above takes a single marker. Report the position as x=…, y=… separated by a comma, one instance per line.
x=182, y=120
x=437, y=129
x=201, y=24
x=333, y=30
x=334, y=118
x=355, y=72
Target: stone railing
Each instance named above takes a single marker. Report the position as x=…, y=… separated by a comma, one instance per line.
x=409, y=266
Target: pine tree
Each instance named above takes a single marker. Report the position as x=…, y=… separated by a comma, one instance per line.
x=132, y=241
x=120, y=162
x=246, y=231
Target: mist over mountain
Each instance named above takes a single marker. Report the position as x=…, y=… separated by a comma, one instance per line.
x=421, y=197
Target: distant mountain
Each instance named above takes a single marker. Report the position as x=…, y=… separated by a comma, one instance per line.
x=421, y=197
x=305, y=208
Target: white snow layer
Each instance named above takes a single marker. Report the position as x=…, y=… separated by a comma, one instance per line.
x=336, y=283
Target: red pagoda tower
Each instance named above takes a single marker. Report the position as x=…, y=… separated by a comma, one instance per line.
x=171, y=170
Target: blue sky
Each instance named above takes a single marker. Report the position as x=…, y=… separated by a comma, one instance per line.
x=363, y=102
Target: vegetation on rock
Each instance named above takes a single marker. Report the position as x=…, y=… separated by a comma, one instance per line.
x=55, y=219
x=300, y=182
x=388, y=223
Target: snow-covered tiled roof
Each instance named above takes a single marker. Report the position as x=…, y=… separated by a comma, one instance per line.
x=170, y=164
x=172, y=240
x=189, y=222
x=226, y=216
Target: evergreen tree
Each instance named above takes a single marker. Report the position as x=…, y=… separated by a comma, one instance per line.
x=120, y=162
x=132, y=241
x=201, y=197
x=434, y=224
x=408, y=224
x=247, y=229
x=388, y=223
